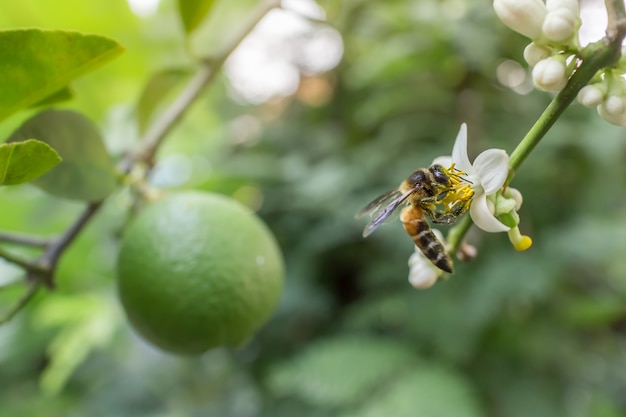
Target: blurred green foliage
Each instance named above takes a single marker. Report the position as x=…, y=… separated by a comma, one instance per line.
x=539, y=333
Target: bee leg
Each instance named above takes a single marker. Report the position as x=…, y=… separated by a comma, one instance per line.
x=443, y=218
x=459, y=207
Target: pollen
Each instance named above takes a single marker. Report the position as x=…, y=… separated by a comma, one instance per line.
x=465, y=193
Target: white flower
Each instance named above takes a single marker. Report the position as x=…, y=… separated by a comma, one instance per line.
x=523, y=16
x=486, y=175
x=549, y=74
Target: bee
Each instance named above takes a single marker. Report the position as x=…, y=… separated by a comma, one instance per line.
x=441, y=194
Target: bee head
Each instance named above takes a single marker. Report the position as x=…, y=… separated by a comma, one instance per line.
x=418, y=177
x=440, y=174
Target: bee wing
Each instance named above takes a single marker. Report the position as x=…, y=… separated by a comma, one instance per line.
x=381, y=208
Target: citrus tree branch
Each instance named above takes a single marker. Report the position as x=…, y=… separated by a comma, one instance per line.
x=599, y=55
x=51, y=256
x=457, y=233
x=42, y=270
x=24, y=239
x=602, y=54
x=31, y=291
x=22, y=263
x=205, y=75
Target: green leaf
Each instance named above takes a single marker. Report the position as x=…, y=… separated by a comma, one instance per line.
x=83, y=323
x=24, y=161
x=193, y=12
x=87, y=172
x=340, y=371
x=63, y=94
x=35, y=63
x=427, y=391
x=157, y=88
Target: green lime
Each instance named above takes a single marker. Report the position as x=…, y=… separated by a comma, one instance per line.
x=198, y=270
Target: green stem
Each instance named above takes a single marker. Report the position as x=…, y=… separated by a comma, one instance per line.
x=457, y=233
x=602, y=54
x=31, y=291
x=22, y=263
x=595, y=57
x=205, y=75
x=42, y=272
x=24, y=239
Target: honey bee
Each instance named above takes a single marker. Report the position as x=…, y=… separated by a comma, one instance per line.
x=439, y=193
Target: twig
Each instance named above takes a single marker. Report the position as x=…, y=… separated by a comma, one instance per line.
x=24, y=264
x=25, y=240
x=51, y=256
x=42, y=271
x=616, y=24
x=33, y=286
x=205, y=75
x=596, y=56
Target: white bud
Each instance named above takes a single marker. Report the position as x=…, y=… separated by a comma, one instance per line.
x=591, y=95
x=534, y=53
x=613, y=110
x=523, y=16
x=549, y=74
x=423, y=275
x=614, y=105
x=560, y=25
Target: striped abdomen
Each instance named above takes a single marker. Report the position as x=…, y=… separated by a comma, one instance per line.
x=417, y=227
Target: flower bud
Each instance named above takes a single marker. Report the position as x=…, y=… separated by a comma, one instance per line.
x=523, y=16
x=614, y=105
x=534, y=53
x=422, y=276
x=613, y=110
x=549, y=74
x=422, y=273
x=559, y=25
x=591, y=95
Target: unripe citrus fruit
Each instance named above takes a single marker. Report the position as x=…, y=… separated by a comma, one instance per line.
x=198, y=270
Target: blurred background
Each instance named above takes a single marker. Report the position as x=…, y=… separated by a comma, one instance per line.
x=308, y=122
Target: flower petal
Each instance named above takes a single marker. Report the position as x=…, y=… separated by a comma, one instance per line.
x=482, y=217
x=459, y=151
x=492, y=167
x=445, y=161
